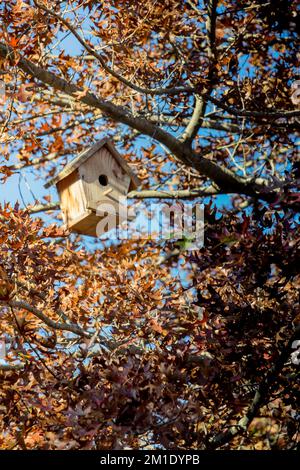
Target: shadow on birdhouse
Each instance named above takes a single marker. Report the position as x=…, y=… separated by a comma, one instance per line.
x=97, y=177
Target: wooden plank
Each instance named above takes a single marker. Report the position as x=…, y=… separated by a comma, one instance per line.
x=72, y=197
x=87, y=223
x=80, y=221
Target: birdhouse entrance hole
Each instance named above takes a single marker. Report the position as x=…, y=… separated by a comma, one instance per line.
x=103, y=180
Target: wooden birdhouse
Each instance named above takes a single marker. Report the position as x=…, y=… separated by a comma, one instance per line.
x=97, y=177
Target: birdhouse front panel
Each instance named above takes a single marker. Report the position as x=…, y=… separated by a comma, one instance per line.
x=103, y=178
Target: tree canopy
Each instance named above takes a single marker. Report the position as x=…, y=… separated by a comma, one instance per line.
x=143, y=344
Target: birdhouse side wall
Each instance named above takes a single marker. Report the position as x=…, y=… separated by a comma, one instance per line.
x=72, y=197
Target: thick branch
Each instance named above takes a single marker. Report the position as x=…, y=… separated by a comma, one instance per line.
x=221, y=176
x=52, y=324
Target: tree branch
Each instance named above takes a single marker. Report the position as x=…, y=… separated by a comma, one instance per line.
x=11, y=367
x=276, y=114
x=144, y=194
x=179, y=194
x=52, y=324
x=191, y=193
x=52, y=206
x=200, y=106
x=195, y=122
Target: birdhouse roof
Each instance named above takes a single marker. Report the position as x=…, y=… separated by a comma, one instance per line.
x=86, y=154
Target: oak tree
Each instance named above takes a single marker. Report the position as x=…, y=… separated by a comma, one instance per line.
x=140, y=343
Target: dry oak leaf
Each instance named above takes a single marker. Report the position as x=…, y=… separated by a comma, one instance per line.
x=7, y=287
